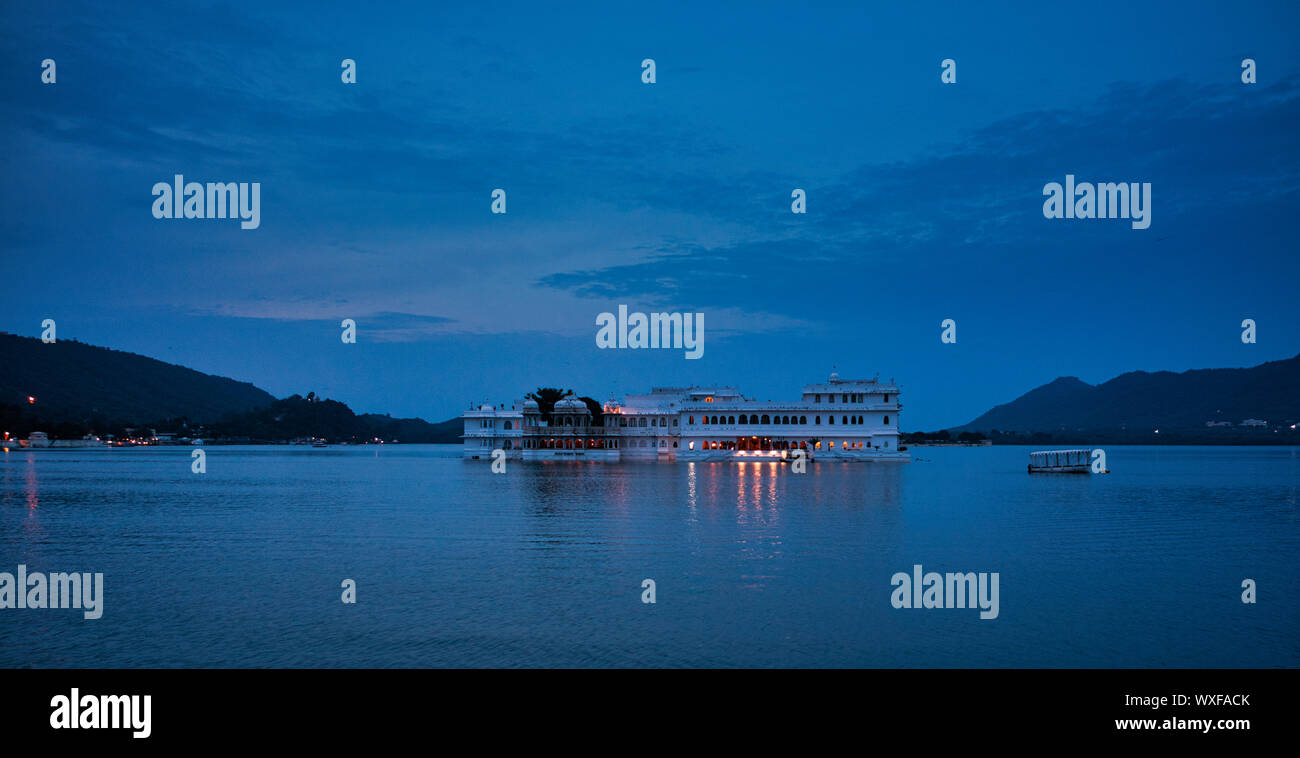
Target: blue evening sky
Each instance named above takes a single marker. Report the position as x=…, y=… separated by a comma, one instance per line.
x=924, y=199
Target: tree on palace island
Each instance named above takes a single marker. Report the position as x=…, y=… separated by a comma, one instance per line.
x=546, y=398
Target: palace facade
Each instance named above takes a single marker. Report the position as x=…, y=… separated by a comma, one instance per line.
x=838, y=419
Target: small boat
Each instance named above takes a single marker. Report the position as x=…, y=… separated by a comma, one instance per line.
x=319, y=443
x=1077, y=461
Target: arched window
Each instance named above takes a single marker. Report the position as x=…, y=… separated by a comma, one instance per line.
x=859, y=419
x=731, y=419
x=886, y=421
x=830, y=420
x=844, y=419
x=765, y=420
x=743, y=418
x=785, y=419
x=690, y=419
x=508, y=425
x=803, y=419
x=753, y=419
x=641, y=422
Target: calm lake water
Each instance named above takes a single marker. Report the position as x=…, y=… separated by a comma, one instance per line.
x=754, y=565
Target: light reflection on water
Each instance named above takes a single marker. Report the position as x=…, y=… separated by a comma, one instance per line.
x=754, y=565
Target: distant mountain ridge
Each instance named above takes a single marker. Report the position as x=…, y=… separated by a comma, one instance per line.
x=73, y=381
x=297, y=417
x=81, y=388
x=1141, y=401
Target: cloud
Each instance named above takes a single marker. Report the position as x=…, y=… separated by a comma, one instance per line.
x=1210, y=150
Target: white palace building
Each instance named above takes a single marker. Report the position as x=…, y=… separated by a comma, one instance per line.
x=841, y=419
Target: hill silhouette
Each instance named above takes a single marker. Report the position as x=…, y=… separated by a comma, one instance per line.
x=82, y=388
x=1139, y=402
x=76, y=382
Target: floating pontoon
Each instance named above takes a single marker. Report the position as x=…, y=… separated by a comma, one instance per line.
x=1061, y=462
